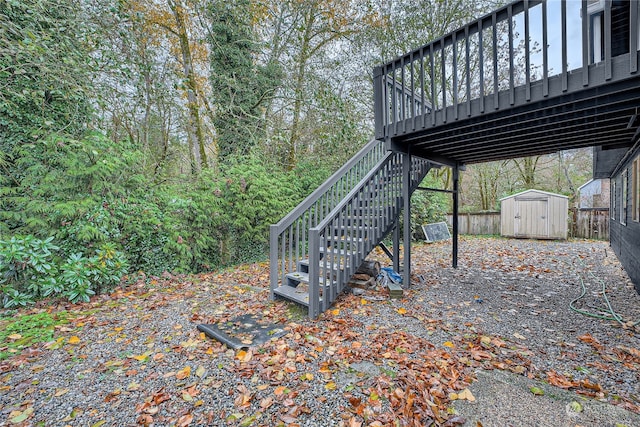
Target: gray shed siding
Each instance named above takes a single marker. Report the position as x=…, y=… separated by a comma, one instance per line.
x=534, y=214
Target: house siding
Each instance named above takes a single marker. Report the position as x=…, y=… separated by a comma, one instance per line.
x=624, y=231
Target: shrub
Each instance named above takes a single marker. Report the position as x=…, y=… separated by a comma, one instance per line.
x=30, y=270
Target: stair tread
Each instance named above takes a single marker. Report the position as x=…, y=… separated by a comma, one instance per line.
x=299, y=276
x=333, y=266
x=303, y=277
x=293, y=294
x=336, y=251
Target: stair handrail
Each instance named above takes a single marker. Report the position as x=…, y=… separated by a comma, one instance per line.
x=356, y=189
x=329, y=183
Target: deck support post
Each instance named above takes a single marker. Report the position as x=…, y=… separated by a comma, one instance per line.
x=396, y=247
x=406, y=206
x=454, y=221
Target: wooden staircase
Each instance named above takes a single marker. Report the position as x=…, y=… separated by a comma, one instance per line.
x=319, y=245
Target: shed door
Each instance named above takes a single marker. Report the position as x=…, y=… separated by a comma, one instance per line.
x=531, y=218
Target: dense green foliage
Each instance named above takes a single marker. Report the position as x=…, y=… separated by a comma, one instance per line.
x=43, y=74
x=104, y=215
x=30, y=269
x=163, y=136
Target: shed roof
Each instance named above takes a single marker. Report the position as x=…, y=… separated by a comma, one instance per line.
x=535, y=191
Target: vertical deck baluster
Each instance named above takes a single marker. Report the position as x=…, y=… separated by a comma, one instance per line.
x=527, y=52
x=298, y=244
x=379, y=82
x=290, y=247
x=328, y=262
x=585, y=45
x=481, y=64
x=282, y=249
x=563, y=18
x=455, y=75
x=394, y=106
x=512, y=97
x=314, y=267
x=423, y=108
x=545, y=53
x=274, y=277
x=443, y=71
x=607, y=40
x=303, y=221
x=494, y=31
x=633, y=38
x=402, y=95
x=413, y=93
x=467, y=68
x=433, y=89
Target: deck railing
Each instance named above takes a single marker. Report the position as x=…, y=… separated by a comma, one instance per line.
x=523, y=52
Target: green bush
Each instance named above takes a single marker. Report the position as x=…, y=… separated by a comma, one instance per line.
x=30, y=270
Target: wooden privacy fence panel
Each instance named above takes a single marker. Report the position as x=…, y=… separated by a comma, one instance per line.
x=477, y=223
x=583, y=223
x=589, y=223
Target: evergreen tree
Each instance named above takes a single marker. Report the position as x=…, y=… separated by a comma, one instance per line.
x=241, y=87
x=43, y=81
x=43, y=71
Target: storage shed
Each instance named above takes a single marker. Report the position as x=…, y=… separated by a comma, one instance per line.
x=534, y=214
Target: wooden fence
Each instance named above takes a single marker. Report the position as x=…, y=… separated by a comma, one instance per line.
x=477, y=222
x=583, y=223
x=589, y=223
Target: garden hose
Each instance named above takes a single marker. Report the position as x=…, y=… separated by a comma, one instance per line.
x=613, y=315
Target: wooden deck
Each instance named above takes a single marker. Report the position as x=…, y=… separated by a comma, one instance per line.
x=457, y=100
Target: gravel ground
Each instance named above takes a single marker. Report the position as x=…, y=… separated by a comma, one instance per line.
x=135, y=357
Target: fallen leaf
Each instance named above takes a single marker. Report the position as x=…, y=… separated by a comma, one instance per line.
x=266, y=403
x=22, y=416
x=184, y=373
x=466, y=395
x=61, y=391
x=559, y=380
x=184, y=420
x=244, y=355
x=140, y=357
x=133, y=386
x=537, y=391
x=74, y=340
x=200, y=371
x=402, y=310
x=280, y=390
x=14, y=337
x=574, y=406
x=448, y=344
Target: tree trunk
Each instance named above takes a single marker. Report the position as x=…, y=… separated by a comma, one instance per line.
x=299, y=88
x=194, y=127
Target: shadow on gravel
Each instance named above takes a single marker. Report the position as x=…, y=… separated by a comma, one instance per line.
x=505, y=399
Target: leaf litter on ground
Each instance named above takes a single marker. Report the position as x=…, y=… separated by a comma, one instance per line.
x=134, y=356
